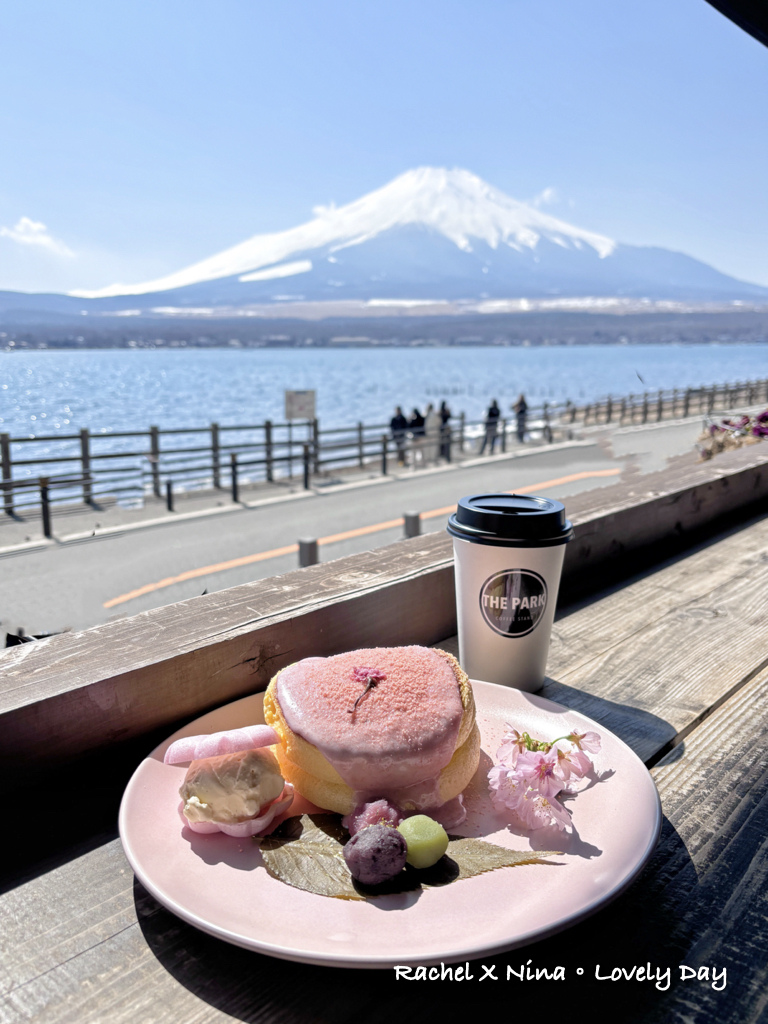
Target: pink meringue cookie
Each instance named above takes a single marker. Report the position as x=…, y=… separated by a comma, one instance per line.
x=194, y=748
x=243, y=829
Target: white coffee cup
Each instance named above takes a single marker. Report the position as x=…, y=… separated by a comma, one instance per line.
x=508, y=556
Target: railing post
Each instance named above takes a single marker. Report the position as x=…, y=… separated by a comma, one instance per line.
x=306, y=467
x=235, y=481
x=384, y=440
x=268, y=449
x=315, y=446
x=45, y=507
x=609, y=408
x=660, y=407
x=85, y=461
x=462, y=427
x=5, y=458
x=645, y=407
x=154, y=459
x=169, y=494
x=307, y=552
x=216, y=456
x=503, y=435
x=360, y=446
x=711, y=400
x=686, y=401
x=412, y=524
x=674, y=403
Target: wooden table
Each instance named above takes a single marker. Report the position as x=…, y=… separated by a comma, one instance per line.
x=674, y=661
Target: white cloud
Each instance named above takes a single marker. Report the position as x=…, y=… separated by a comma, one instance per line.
x=546, y=197
x=33, y=232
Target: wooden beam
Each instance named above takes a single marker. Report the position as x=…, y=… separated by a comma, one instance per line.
x=77, y=692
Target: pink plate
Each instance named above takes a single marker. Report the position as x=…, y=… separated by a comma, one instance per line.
x=219, y=884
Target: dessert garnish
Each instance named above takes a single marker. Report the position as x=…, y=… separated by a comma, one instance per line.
x=193, y=748
x=425, y=838
x=375, y=854
x=531, y=775
x=307, y=852
x=239, y=794
x=372, y=812
x=371, y=677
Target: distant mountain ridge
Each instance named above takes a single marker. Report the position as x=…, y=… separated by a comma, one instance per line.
x=430, y=234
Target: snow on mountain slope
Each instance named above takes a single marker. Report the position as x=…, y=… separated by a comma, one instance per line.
x=455, y=204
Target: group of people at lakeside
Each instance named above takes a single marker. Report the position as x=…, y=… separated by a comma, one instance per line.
x=430, y=435
x=493, y=416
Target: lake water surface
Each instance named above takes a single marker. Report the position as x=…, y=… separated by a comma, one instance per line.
x=47, y=392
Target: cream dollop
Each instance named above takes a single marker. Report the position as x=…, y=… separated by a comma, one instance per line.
x=231, y=788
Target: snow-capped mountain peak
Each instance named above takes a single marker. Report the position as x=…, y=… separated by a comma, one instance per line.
x=453, y=203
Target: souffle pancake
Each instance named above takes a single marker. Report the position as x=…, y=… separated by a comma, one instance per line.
x=393, y=723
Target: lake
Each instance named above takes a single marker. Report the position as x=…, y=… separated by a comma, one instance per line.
x=46, y=392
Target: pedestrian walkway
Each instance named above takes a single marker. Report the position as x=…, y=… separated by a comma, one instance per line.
x=650, y=445
x=80, y=520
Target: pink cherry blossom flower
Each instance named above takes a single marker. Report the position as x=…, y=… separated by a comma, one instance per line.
x=573, y=763
x=585, y=741
x=541, y=772
x=507, y=788
x=512, y=744
x=538, y=811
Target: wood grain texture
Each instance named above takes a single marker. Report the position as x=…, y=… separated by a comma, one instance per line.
x=674, y=668
x=87, y=945
x=649, y=659
x=74, y=693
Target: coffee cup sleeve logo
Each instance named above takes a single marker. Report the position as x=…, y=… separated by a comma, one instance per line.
x=512, y=602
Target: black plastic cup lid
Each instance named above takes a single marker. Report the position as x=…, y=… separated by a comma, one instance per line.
x=514, y=520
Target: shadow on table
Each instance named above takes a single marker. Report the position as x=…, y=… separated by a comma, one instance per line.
x=650, y=736
x=644, y=926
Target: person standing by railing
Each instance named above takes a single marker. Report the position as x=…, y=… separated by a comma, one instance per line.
x=432, y=427
x=445, y=431
x=398, y=425
x=520, y=409
x=416, y=427
x=491, y=426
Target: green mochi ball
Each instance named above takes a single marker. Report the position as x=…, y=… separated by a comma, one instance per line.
x=425, y=838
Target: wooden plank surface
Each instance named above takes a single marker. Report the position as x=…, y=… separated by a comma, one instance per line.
x=87, y=944
x=77, y=692
x=651, y=658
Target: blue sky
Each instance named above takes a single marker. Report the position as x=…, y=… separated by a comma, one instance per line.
x=138, y=138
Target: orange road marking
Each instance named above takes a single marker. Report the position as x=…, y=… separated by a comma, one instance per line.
x=205, y=570
x=586, y=475
x=361, y=531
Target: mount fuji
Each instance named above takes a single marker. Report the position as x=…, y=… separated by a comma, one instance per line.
x=430, y=235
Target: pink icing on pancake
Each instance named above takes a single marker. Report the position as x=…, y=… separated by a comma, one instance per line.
x=402, y=732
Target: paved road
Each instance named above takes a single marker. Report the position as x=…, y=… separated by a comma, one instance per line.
x=80, y=583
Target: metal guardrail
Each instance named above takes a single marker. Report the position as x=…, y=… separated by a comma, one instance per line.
x=228, y=457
